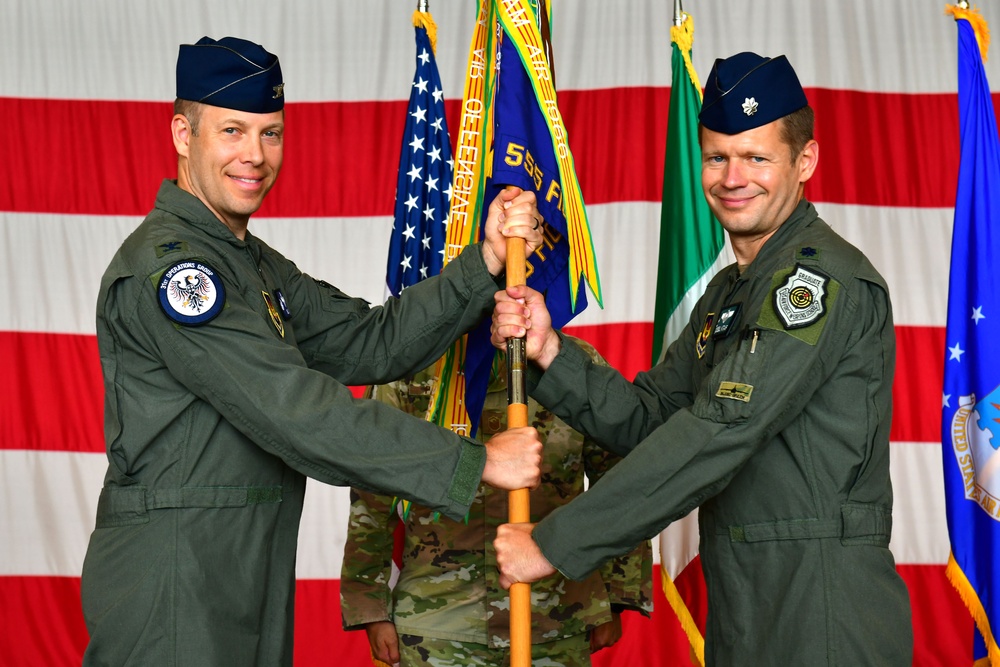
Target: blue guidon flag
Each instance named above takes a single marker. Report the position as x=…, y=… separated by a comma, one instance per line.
x=423, y=185
x=971, y=398
x=191, y=293
x=526, y=156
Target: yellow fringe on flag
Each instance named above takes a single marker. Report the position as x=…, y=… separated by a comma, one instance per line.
x=977, y=22
x=683, y=36
x=426, y=21
x=684, y=616
x=521, y=26
x=968, y=594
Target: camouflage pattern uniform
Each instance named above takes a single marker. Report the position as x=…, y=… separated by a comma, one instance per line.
x=571, y=652
x=448, y=588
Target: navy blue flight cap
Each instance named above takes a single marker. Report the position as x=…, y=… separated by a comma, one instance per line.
x=231, y=73
x=746, y=91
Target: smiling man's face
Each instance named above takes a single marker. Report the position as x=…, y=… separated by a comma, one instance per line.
x=232, y=161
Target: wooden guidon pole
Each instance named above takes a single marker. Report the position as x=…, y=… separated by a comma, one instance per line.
x=518, y=502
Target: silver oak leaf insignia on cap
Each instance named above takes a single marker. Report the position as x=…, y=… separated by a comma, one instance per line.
x=749, y=106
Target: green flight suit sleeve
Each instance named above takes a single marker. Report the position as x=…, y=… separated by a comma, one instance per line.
x=265, y=388
x=689, y=457
x=360, y=344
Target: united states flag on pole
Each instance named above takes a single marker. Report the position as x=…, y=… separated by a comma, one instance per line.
x=423, y=185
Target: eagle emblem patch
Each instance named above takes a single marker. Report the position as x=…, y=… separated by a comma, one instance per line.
x=800, y=301
x=191, y=293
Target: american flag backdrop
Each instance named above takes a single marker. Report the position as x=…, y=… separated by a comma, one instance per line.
x=86, y=89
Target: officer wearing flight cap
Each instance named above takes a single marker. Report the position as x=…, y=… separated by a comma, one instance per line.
x=770, y=413
x=224, y=372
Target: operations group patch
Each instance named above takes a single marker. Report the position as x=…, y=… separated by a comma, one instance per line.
x=191, y=293
x=800, y=301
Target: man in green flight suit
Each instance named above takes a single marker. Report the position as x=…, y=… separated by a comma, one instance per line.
x=770, y=412
x=225, y=370
x=447, y=608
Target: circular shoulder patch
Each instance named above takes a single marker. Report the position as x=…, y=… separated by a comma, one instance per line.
x=191, y=293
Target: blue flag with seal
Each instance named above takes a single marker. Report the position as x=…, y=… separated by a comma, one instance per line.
x=423, y=185
x=525, y=155
x=971, y=399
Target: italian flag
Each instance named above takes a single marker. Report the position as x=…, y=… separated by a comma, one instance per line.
x=691, y=241
x=692, y=250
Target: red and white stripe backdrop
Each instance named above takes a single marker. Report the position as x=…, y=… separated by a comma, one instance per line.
x=86, y=91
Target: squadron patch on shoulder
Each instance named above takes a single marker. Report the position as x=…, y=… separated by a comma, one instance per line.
x=800, y=301
x=191, y=293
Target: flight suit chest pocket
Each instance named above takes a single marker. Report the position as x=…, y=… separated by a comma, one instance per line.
x=731, y=391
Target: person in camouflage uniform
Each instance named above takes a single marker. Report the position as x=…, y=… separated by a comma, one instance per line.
x=447, y=606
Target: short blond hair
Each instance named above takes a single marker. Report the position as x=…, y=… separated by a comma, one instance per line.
x=191, y=111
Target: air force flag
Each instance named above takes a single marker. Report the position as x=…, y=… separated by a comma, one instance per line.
x=971, y=400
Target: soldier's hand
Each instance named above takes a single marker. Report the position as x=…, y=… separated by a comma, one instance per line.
x=606, y=634
x=512, y=213
x=514, y=459
x=518, y=557
x=384, y=641
x=521, y=311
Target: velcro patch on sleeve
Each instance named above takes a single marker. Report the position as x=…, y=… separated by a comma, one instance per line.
x=800, y=300
x=191, y=293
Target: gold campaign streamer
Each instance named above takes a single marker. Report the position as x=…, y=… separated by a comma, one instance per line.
x=475, y=132
x=521, y=26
